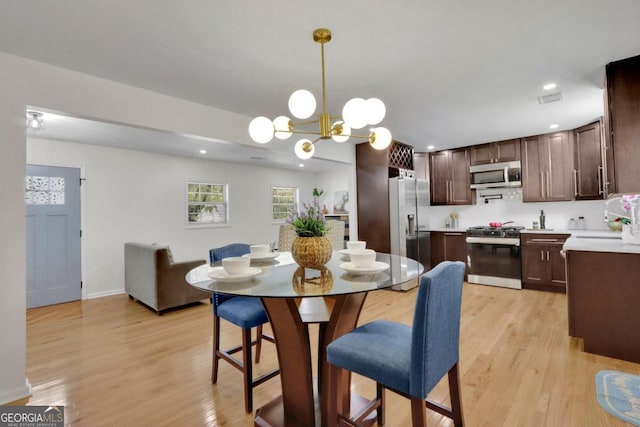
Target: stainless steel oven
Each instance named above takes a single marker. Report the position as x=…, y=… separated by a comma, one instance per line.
x=493, y=256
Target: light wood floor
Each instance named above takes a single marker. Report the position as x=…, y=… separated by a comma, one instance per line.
x=111, y=361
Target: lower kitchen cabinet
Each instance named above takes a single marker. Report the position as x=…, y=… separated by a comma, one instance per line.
x=543, y=266
x=448, y=246
x=603, y=299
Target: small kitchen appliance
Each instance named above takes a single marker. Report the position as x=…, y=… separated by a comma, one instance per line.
x=496, y=175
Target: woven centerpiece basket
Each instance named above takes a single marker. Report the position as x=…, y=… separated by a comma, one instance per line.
x=311, y=252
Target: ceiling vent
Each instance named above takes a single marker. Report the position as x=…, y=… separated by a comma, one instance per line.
x=553, y=97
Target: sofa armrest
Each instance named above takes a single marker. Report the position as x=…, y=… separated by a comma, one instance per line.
x=173, y=289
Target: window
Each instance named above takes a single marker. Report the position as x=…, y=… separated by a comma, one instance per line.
x=206, y=203
x=44, y=190
x=284, y=201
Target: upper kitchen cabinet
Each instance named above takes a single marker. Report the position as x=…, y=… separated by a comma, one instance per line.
x=622, y=123
x=495, y=152
x=547, y=168
x=450, y=182
x=588, y=166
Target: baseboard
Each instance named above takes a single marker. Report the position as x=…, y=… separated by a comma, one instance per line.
x=105, y=293
x=16, y=394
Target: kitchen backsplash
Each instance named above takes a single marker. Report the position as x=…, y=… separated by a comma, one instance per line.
x=511, y=208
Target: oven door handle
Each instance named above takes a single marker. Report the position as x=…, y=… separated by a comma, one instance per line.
x=495, y=241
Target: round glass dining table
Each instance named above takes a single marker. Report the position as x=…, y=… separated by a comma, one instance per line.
x=294, y=297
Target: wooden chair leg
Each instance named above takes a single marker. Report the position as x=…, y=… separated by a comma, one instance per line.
x=332, y=401
x=454, y=395
x=418, y=412
x=247, y=371
x=338, y=406
x=380, y=395
x=216, y=349
x=258, y=343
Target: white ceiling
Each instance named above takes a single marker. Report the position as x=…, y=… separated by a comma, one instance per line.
x=451, y=72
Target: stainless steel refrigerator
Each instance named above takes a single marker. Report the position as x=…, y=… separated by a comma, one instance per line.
x=408, y=218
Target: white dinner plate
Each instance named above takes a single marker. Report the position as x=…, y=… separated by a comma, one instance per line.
x=219, y=274
x=374, y=268
x=263, y=257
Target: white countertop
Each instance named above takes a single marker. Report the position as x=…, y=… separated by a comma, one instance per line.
x=598, y=241
x=445, y=229
x=549, y=231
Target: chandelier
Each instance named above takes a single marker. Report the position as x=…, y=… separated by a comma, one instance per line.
x=35, y=120
x=356, y=114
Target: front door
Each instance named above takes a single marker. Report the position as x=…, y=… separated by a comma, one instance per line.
x=53, y=235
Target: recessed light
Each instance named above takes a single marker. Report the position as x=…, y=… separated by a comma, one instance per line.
x=549, y=86
x=554, y=126
x=430, y=147
x=301, y=165
x=203, y=151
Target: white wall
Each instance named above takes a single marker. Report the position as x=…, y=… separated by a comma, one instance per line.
x=343, y=181
x=138, y=196
x=26, y=83
x=511, y=208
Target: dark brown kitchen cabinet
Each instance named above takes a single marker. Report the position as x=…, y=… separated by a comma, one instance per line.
x=588, y=166
x=450, y=180
x=373, y=170
x=622, y=123
x=448, y=246
x=494, y=152
x=543, y=267
x=603, y=299
x=547, y=168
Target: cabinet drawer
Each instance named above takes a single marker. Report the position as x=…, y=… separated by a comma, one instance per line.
x=543, y=239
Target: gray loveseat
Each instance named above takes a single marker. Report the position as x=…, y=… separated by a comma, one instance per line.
x=151, y=277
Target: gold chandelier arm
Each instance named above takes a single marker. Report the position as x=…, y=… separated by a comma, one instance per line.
x=298, y=132
x=358, y=136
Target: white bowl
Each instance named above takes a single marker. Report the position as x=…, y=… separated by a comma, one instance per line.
x=236, y=265
x=260, y=249
x=356, y=245
x=362, y=258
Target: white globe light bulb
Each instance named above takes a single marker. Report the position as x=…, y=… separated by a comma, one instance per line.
x=354, y=113
x=304, y=149
x=261, y=130
x=345, y=131
x=281, y=123
x=380, y=138
x=375, y=111
x=302, y=104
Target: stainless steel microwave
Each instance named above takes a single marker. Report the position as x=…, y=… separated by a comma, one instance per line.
x=496, y=175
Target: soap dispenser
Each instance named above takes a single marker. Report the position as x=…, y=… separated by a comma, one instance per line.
x=542, y=227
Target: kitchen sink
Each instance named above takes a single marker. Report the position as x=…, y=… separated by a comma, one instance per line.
x=599, y=237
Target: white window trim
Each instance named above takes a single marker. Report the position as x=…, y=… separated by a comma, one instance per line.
x=296, y=202
x=197, y=225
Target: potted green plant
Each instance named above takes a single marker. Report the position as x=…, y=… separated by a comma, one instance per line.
x=311, y=248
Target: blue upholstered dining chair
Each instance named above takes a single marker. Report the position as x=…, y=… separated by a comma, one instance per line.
x=409, y=360
x=247, y=313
